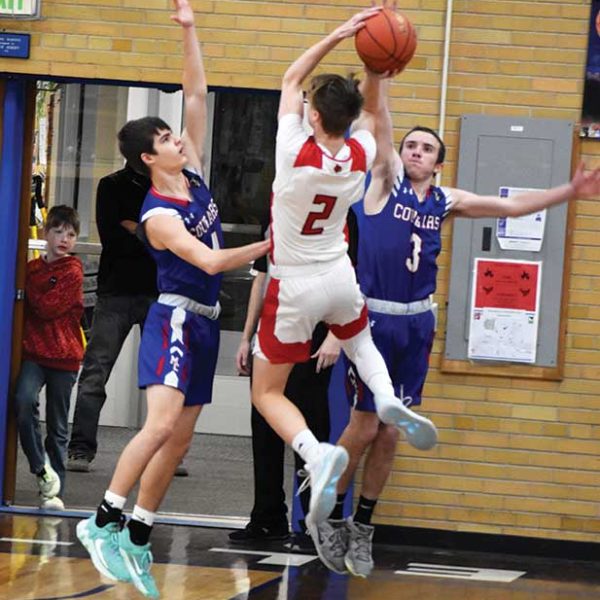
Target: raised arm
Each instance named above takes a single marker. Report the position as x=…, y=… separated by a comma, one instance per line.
x=583, y=185
x=194, y=86
x=370, y=89
x=387, y=160
x=167, y=232
x=302, y=67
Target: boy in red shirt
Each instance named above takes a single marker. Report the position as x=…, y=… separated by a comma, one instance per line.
x=52, y=352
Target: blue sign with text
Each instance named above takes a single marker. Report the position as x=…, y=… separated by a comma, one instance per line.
x=14, y=45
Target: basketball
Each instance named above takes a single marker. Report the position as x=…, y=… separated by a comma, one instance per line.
x=387, y=42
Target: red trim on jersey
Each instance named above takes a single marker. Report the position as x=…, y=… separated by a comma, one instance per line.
x=178, y=201
x=349, y=330
x=160, y=366
x=358, y=155
x=166, y=334
x=310, y=155
x=276, y=351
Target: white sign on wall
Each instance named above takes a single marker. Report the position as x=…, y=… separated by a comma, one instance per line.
x=19, y=8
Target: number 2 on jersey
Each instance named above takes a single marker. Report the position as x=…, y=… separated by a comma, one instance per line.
x=412, y=263
x=309, y=225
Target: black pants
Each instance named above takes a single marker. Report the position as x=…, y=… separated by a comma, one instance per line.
x=114, y=316
x=308, y=391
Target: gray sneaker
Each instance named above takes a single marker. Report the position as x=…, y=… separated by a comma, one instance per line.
x=330, y=538
x=359, y=558
x=78, y=463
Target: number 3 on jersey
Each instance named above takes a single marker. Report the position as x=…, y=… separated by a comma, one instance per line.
x=309, y=225
x=412, y=263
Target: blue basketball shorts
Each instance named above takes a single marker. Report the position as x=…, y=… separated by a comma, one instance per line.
x=405, y=343
x=179, y=348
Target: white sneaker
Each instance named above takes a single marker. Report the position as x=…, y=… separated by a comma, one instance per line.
x=48, y=482
x=420, y=432
x=54, y=503
x=323, y=474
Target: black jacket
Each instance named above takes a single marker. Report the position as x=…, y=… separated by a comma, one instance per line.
x=126, y=268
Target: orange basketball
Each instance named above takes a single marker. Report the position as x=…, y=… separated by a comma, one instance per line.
x=387, y=42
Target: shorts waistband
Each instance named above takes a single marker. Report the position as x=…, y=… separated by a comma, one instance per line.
x=387, y=307
x=314, y=268
x=210, y=312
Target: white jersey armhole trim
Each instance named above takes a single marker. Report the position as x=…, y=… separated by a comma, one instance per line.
x=160, y=210
x=399, y=177
x=449, y=200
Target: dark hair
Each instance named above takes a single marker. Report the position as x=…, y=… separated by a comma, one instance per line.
x=62, y=215
x=137, y=137
x=441, y=152
x=337, y=100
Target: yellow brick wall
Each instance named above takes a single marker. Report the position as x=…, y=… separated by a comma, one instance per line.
x=516, y=456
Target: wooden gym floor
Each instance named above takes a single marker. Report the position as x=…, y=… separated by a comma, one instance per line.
x=41, y=559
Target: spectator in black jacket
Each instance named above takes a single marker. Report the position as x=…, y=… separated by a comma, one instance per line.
x=126, y=289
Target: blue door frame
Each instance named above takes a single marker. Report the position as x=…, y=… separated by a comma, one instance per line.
x=11, y=165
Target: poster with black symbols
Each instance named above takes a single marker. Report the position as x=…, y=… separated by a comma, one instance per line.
x=505, y=309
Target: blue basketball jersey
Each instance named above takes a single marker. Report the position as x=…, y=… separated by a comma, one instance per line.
x=398, y=247
x=201, y=218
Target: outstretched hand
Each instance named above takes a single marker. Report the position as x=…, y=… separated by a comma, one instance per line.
x=356, y=22
x=586, y=184
x=184, y=15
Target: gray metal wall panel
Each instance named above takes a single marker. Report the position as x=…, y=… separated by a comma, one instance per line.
x=514, y=152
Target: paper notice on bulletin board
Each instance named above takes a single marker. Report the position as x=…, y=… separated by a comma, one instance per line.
x=505, y=310
x=524, y=233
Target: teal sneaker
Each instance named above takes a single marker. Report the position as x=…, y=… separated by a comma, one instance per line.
x=138, y=560
x=103, y=547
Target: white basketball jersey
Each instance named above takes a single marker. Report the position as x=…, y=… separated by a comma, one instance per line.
x=313, y=191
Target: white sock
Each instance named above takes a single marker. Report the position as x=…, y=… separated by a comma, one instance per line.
x=143, y=516
x=306, y=445
x=114, y=501
x=369, y=363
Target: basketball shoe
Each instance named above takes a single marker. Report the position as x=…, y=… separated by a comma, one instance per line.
x=331, y=543
x=323, y=474
x=420, y=432
x=103, y=547
x=138, y=561
x=359, y=559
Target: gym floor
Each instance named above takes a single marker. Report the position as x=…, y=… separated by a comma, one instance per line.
x=41, y=559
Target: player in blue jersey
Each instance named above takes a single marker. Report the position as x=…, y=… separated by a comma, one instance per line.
x=178, y=351
x=399, y=225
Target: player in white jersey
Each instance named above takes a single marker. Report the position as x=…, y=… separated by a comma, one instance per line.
x=313, y=190
x=317, y=178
